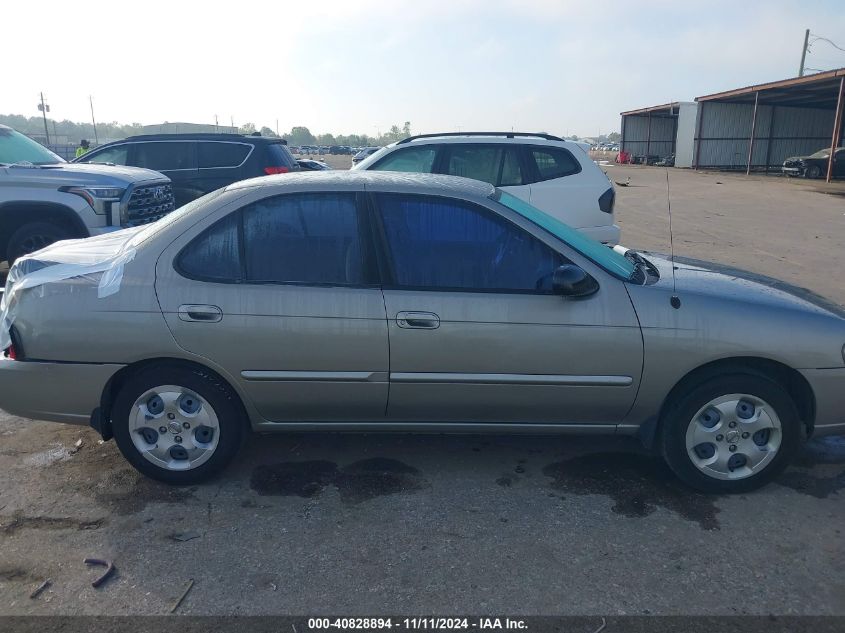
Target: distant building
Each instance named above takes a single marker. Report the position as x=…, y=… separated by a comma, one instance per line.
x=187, y=128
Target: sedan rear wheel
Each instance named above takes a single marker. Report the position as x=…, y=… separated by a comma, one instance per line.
x=731, y=434
x=178, y=425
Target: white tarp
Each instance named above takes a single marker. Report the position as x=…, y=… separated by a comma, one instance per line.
x=98, y=260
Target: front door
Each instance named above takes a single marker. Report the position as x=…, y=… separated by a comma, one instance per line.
x=477, y=336
x=277, y=294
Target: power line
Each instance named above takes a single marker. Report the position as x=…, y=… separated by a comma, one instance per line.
x=819, y=38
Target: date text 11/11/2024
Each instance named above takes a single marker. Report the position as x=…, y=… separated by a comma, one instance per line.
x=417, y=624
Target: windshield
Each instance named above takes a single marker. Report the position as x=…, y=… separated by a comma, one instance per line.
x=822, y=153
x=597, y=252
x=17, y=148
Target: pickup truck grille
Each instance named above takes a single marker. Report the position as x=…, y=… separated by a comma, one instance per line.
x=148, y=204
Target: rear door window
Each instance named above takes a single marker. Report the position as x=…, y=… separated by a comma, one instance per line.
x=165, y=155
x=554, y=162
x=303, y=238
x=497, y=164
x=309, y=238
x=411, y=159
x=214, y=154
x=215, y=254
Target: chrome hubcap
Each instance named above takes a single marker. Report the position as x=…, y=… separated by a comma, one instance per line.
x=174, y=428
x=733, y=436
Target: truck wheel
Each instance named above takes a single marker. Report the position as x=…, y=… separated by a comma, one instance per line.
x=179, y=425
x=32, y=237
x=730, y=434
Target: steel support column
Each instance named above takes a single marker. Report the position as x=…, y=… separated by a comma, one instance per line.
x=648, y=140
x=697, y=140
x=751, y=140
x=837, y=127
x=772, y=110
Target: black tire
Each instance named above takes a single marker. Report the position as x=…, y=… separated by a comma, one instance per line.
x=230, y=414
x=32, y=237
x=813, y=171
x=679, y=415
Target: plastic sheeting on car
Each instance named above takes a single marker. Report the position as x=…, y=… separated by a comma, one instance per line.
x=96, y=260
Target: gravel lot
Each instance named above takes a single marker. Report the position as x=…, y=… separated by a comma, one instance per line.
x=370, y=524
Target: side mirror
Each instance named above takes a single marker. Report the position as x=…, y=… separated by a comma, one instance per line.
x=573, y=281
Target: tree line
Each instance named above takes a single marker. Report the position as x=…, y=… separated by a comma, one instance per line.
x=298, y=135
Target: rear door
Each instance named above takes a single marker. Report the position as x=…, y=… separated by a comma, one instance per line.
x=280, y=294
x=476, y=334
x=221, y=163
x=175, y=159
x=562, y=189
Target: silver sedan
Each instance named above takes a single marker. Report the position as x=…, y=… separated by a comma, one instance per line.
x=377, y=301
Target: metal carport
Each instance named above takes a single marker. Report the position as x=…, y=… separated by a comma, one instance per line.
x=660, y=130
x=757, y=127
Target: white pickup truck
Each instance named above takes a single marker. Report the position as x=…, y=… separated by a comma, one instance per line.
x=44, y=199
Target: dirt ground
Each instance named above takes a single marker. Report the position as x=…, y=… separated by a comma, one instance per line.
x=370, y=524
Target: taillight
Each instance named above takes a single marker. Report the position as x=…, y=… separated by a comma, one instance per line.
x=275, y=170
x=606, y=200
x=11, y=353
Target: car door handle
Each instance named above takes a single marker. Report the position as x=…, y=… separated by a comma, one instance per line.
x=418, y=320
x=203, y=313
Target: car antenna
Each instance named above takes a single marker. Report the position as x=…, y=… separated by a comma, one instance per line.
x=674, y=300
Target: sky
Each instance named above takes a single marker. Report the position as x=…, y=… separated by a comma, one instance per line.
x=360, y=66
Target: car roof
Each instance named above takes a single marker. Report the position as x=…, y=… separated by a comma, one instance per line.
x=405, y=182
x=483, y=138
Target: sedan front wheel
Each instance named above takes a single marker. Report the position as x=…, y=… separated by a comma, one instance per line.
x=731, y=433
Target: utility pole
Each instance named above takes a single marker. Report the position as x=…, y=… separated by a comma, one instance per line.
x=804, y=52
x=93, y=122
x=215, y=124
x=277, y=127
x=44, y=110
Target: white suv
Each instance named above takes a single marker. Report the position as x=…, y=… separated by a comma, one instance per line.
x=552, y=174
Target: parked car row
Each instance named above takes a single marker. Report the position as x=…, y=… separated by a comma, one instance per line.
x=323, y=150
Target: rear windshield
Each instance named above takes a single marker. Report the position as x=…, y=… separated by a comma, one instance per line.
x=280, y=155
x=17, y=148
x=605, y=257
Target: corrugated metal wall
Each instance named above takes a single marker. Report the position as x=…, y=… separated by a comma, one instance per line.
x=636, y=135
x=726, y=130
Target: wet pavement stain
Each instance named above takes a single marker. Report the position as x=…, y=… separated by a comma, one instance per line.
x=822, y=450
x=805, y=483
x=811, y=472
x=638, y=485
x=505, y=481
x=357, y=482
